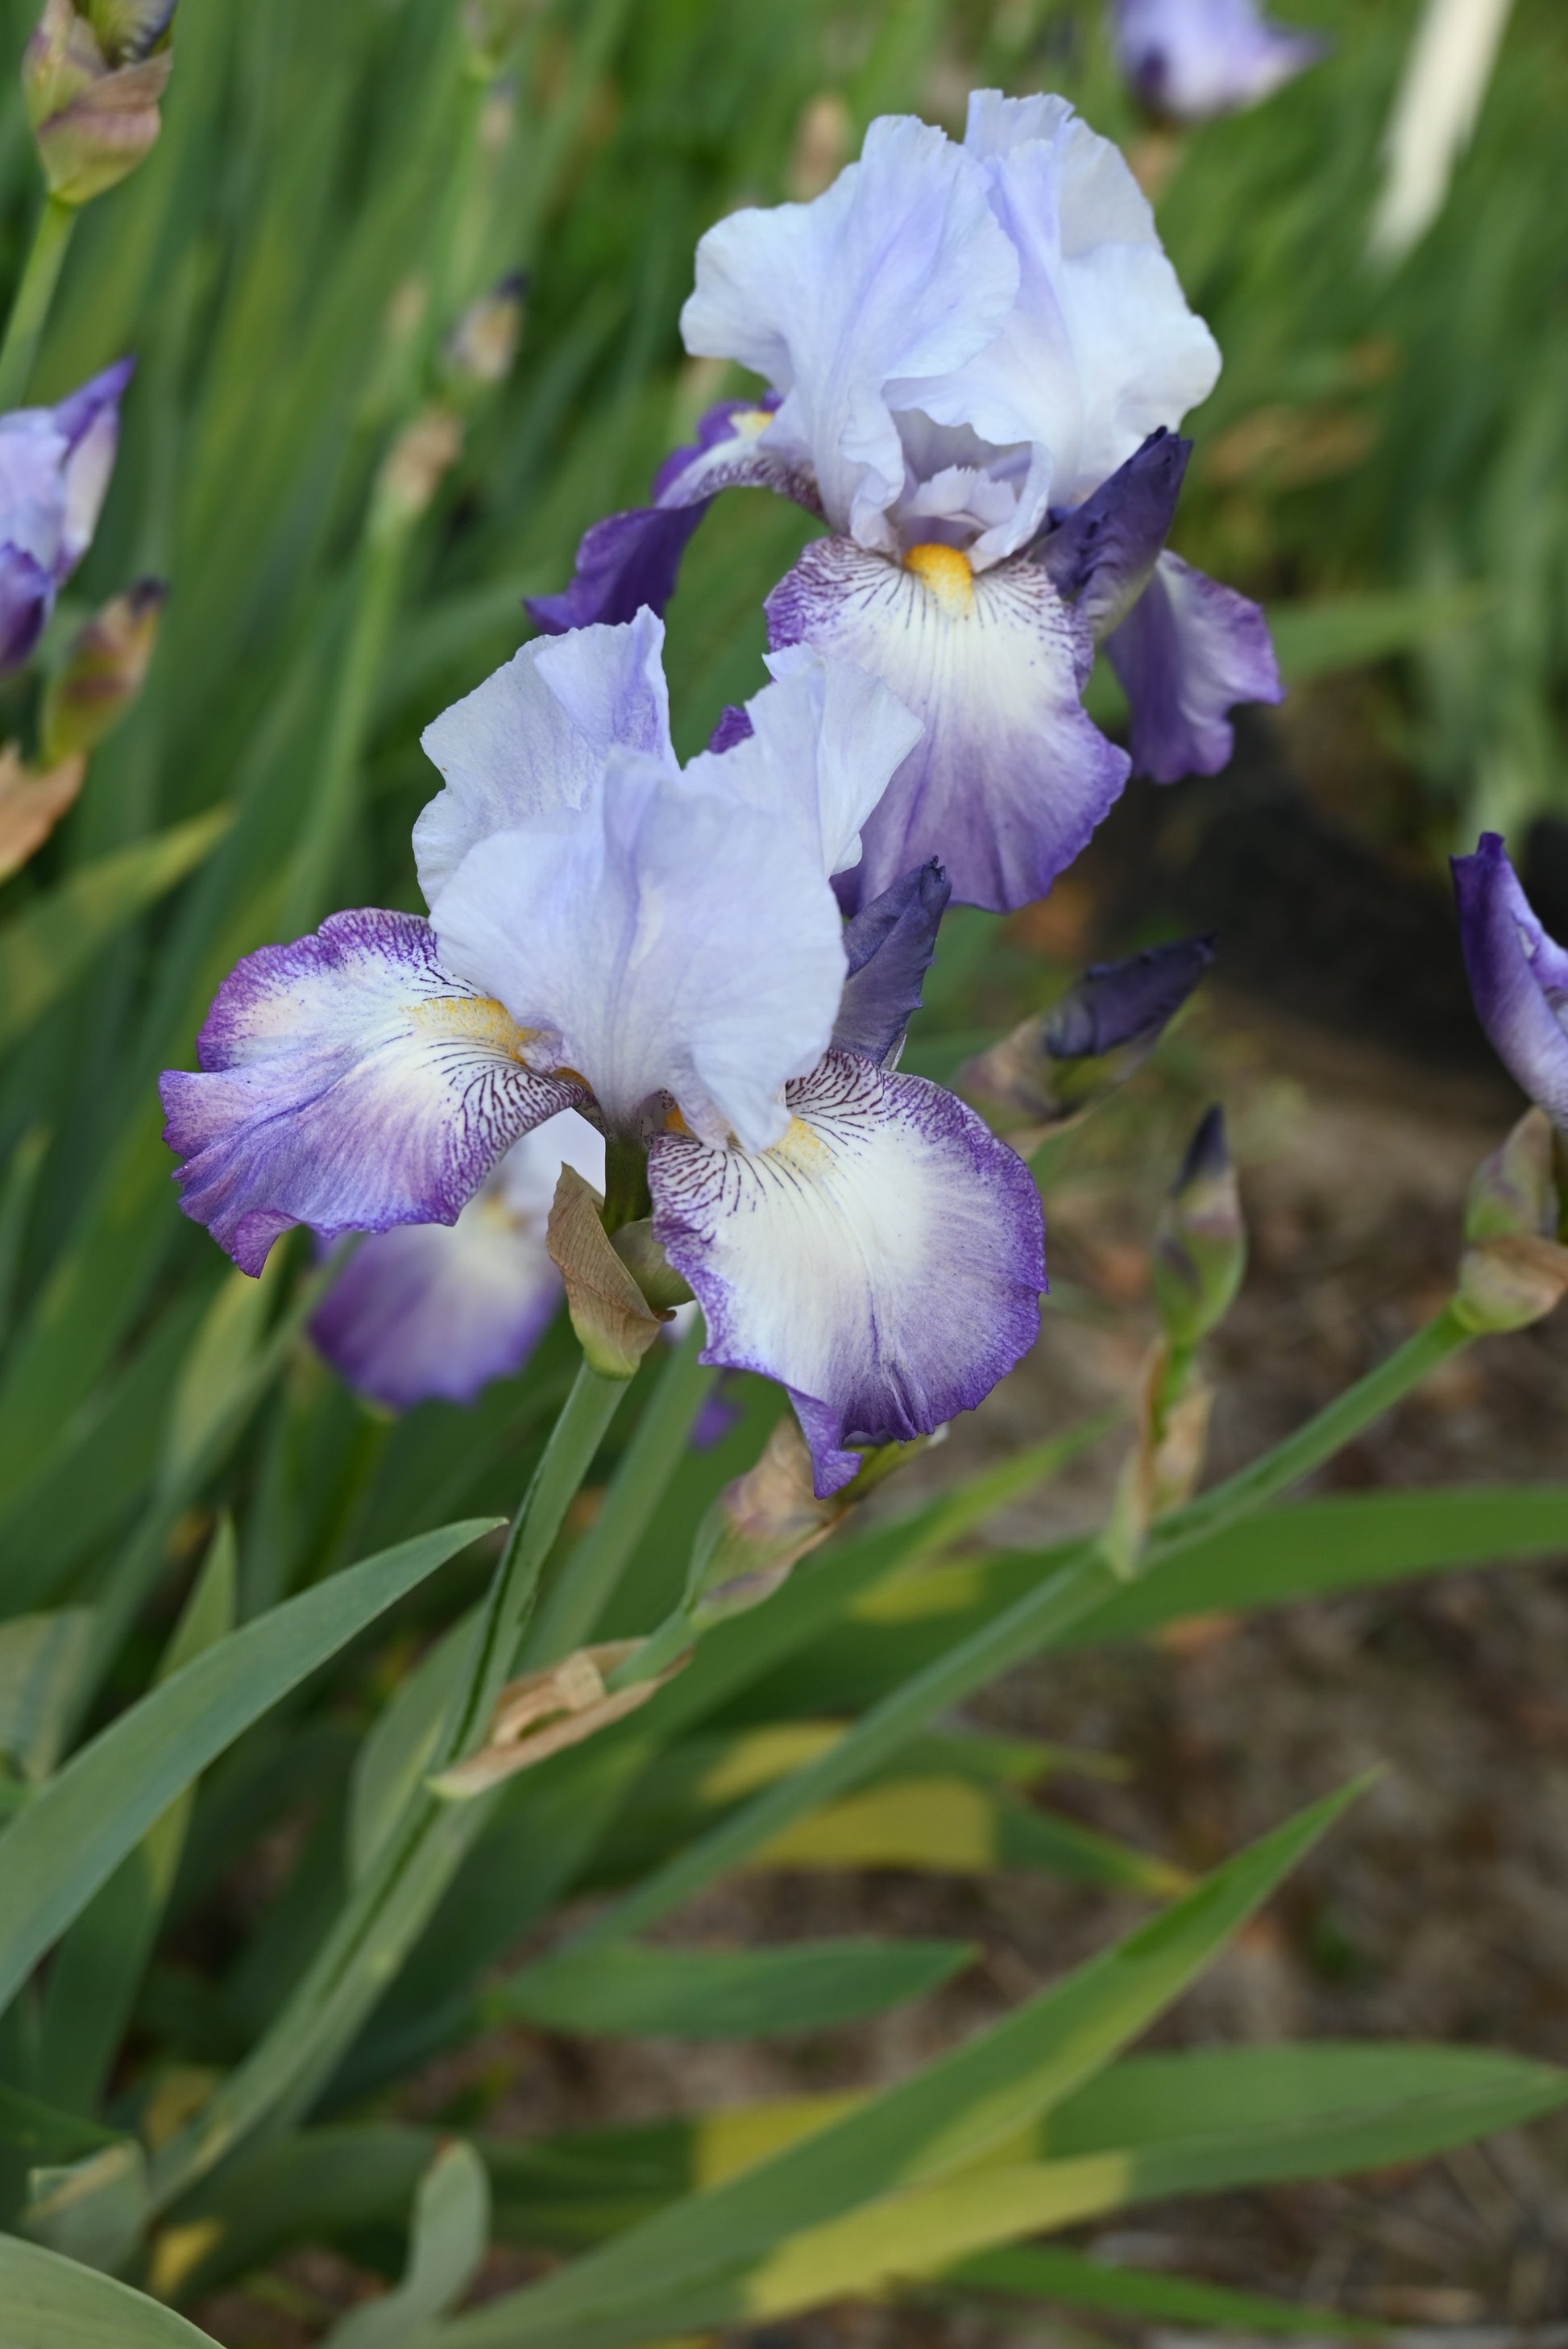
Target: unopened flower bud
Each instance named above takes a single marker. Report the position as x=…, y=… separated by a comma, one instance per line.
x=1515, y=1269
x=103, y=673
x=92, y=75
x=482, y=346
x=758, y=1527
x=1058, y=1066
x=1201, y=1246
x=415, y=467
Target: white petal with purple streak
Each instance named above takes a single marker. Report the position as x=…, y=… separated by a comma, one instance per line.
x=1010, y=777
x=884, y=1261
x=351, y=1082
x=897, y=274
x=534, y=736
x=437, y=1311
x=676, y=939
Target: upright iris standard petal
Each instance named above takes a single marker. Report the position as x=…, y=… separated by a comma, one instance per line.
x=1192, y=60
x=897, y=274
x=817, y=750
x=435, y=1311
x=890, y=945
x=632, y=558
x=54, y=468
x=1010, y=777
x=351, y=1082
x=884, y=1261
x=534, y=736
x=1518, y=976
x=679, y=940
x=1187, y=653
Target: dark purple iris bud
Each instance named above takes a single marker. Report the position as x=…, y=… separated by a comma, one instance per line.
x=1058, y=1066
x=1193, y=59
x=889, y=945
x=634, y=559
x=1116, y=1004
x=1518, y=976
x=54, y=468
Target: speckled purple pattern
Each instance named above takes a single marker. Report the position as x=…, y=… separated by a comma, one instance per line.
x=633, y=559
x=349, y=1082
x=890, y=945
x=1010, y=777
x=884, y=1263
x=1187, y=653
x=1518, y=976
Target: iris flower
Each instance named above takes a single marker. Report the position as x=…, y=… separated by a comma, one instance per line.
x=660, y=949
x=976, y=357
x=54, y=467
x=1192, y=60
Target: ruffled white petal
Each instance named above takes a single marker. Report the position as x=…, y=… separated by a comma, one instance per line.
x=676, y=939
x=896, y=273
x=884, y=1261
x=825, y=740
x=533, y=737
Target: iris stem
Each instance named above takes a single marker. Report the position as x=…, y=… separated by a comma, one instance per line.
x=1083, y=1580
x=571, y=1610
x=395, y=1899
x=34, y=299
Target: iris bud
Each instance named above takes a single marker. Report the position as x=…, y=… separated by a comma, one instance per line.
x=104, y=672
x=92, y=74
x=1515, y=1269
x=1201, y=1246
x=1061, y=1063
x=615, y=1323
x=481, y=347
x=761, y=1526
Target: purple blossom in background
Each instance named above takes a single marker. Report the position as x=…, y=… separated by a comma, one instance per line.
x=965, y=347
x=1518, y=976
x=1192, y=60
x=662, y=950
x=54, y=467
x=431, y=1312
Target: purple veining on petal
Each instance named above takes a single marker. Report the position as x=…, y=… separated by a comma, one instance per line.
x=1194, y=59
x=1518, y=976
x=350, y=1082
x=1187, y=653
x=1099, y=554
x=1117, y=1003
x=890, y=945
x=1010, y=777
x=633, y=559
x=734, y=726
x=885, y=1262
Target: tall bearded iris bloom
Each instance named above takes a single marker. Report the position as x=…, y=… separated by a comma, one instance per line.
x=1192, y=60
x=976, y=357
x=662, y=950
x=54, y=467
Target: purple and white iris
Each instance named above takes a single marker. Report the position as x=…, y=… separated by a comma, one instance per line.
x=54, y=467
x=435, y=1311
x=661, y=949
x=1518, y=976
x=1193, y=59
x=976, y=357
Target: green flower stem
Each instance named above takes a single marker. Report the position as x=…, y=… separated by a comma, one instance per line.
x=34, y=299
x=386, y=1912
x=1083, y=1580
x=570, y=1611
